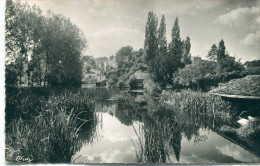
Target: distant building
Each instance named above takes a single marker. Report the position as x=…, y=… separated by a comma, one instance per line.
x=195, y=59
x=112, y=61
x=140, y=76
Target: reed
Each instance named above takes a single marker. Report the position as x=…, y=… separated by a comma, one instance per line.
x=46, y=129
x=193, y=101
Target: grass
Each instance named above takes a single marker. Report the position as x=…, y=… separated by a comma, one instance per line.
x=46, y=128
x=247, y=86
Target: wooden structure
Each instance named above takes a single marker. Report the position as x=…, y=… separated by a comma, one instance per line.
x=101, y=83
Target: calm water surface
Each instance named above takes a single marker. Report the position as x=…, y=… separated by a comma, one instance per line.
x=130, y=129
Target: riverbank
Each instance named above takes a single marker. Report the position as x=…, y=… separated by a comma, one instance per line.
x=43, y=125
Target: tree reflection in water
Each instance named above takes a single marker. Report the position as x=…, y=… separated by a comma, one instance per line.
x=161, y=132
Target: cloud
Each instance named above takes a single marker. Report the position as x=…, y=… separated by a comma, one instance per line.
x=247, y=18
x=251, y=39
x=240, y=17
x=117, y=31
x=237, y=153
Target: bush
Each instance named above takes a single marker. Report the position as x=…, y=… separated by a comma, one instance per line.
x=11, y=75
x=151, y=87
x=133, y=83
x=120, y=84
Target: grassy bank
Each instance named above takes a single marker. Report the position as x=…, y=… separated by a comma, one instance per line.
x=200, y=102
x=44, y=125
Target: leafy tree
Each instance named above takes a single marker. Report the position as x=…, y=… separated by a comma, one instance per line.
x=213, y=53
x=192, y=75
x=46, y=47
x=124, y=54
x=151, y=41
x=18, y=38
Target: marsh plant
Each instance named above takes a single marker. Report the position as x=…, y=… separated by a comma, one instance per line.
x=194, y=101
x=51, y=132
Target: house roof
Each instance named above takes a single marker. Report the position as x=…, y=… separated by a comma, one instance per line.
x=246, y=86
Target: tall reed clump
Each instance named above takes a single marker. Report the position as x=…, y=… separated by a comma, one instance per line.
x=200, y=102
x=53, y=134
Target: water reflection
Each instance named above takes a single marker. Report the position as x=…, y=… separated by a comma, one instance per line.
x=135, y=128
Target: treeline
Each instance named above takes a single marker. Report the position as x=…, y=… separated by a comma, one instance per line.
x=43, y=50
x=201, y=75
x=171, y=65
x=163, y=59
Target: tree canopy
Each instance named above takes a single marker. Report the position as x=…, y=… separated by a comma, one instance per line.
x=42, y=48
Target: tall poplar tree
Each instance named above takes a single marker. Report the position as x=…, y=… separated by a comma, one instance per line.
x=162, y=42
x=175, y=47
x=151, y=41
x=186, y=51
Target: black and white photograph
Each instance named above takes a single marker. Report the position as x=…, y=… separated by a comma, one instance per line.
x=131, y=82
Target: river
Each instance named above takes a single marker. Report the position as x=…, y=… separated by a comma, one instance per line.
x=130, y=131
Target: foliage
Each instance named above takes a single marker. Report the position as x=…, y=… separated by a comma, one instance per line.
x=151, y=87
x=163, y=64
x=124, y=54
x=44, y=48
x=162, y=42
x=133, y=83
x=151, y=40
x=193, y=74
x=11, y=74
x=252, y=70
x=255, y=63
x=186, y=51
x=120, y=84
x=213, y=52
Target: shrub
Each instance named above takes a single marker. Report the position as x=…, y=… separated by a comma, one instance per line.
x=120, y=84
x=133, y=83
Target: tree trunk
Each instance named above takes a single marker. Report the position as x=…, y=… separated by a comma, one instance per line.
x=20, y=74
x=46, y=68
x=28, y=71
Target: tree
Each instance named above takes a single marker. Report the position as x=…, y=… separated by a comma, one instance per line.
x=162, y=42
x=175, y=47
x=64, y=64
x=173, y=61
x=151, y=41
x=193, y=74
x=221, y=54
x=17, y=35
x=40, y=45
x=186, y=51
x=124, y=53
x=213, y=53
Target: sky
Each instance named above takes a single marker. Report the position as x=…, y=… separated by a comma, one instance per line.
x=111, y=24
